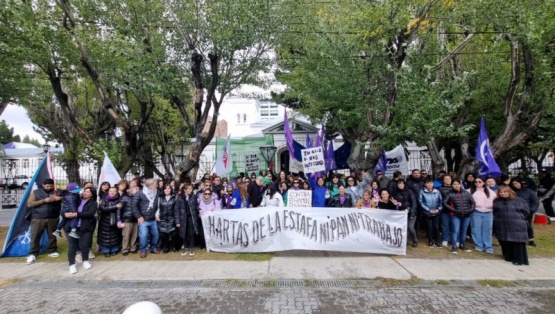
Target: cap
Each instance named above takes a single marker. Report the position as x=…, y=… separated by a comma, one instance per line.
x=73, y=187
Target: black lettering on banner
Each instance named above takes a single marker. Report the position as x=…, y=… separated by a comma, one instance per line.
x=340, y=231
x=333, y=226
x=360, y=216
x=239, y=238
x=285, y=219
x=245, y=242
x=211, y=225
x=292, y=226
x=302, y=229
x=226, y=231
x=382, y=230
x=345, y=226
x=324, y=233
x=255, y=231
x=270, y=229
x=369, y=224
x=354, y=222
x=278, y=226
x=314, y=233
x=262, y=235
x=219, y=228
x=233, y=234
x=399, y=236
x=308, y=225
x=388, y=238
x=298, y=229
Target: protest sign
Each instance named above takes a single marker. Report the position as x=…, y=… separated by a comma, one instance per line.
x=299, y=198
x=271, y=229
x=252, y=162
x=313, y=160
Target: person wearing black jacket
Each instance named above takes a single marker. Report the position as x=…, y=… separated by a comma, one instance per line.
x=531, y=199
x=166, y=218
x=408, y=201
x=342, y=199
x=86, y=221
x=460, y=205
x=255, y=190
x=45, y=206
x=109, y=235
x=187, y=218
x=144, y=205
x=546, y=183
x=130, y=228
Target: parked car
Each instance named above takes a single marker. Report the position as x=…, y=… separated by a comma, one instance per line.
x=18, y=181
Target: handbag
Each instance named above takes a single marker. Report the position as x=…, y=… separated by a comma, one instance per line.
x=112, y=219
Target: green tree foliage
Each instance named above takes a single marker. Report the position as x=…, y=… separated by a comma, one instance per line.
x=6, y=133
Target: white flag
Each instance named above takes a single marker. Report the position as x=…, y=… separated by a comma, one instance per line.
x=108, y=172
x=224, y=164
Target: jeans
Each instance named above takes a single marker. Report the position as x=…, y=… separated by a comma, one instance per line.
x=482, y=225
x=459, y=226
x=411, y=229
x=445, y=226
x=109, y=249
x=144, y=229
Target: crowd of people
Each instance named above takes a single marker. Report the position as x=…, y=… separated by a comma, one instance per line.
x=149, y=216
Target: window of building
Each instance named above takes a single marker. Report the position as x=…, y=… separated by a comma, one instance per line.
x=244, y=118
x=269, y=111
x=238, y=118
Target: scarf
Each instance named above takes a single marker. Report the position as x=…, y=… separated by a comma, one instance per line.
x=150, y=195
x=79, y=210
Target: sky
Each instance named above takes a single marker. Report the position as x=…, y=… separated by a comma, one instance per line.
x=16, y=118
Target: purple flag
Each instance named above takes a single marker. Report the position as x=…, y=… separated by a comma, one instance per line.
x=308, y=141
x=330, y=158
x=288, y=136
x=484, y=154
x=382, y=164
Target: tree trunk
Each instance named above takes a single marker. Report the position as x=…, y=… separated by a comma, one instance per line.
x=438, y=163
x=72, y=170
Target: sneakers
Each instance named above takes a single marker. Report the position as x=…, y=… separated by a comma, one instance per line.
x=437, y=244
x=532, y=243
x=91, y=255
x=87, y=265
x=57, y=234
x=192, y=253
x=444, y=243
x=54, y=254
x=31, y=259
x=431, y=244
x=72, y=269
x=464, y=248
x=73, y=234
x=414, y=244
x=185, y=252
x=454, y=250
x=78, y=257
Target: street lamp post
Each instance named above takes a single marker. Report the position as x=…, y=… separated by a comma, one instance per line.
x=45, y=148
x=268, y=153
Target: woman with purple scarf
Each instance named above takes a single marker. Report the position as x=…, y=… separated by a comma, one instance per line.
x=86, y=223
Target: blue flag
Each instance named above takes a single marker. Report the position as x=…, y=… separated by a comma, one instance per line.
x=330, y=158
x=484, y=154
x=18, y=241
x=308, y=141
x=382, y=164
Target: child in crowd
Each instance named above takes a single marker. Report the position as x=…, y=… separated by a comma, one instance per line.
x=70, y=203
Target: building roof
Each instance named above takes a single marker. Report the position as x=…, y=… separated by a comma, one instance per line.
x=18, y=145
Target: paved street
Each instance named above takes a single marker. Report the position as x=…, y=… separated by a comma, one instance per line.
x=114, y=298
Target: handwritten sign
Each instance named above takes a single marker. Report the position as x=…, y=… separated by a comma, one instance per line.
x=299, y=198
x=252, y=162
x=313, y=160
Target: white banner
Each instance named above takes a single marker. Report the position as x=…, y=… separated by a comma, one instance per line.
x=313, y=159
x=299, y=198
x=396, y=161
x=252, y=162
x=271, y=229
x=295, y=166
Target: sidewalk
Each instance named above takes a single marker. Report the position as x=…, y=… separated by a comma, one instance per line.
x=300, y=268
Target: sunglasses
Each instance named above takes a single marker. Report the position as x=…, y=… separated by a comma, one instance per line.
x=207, y=193
x=296, y=182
